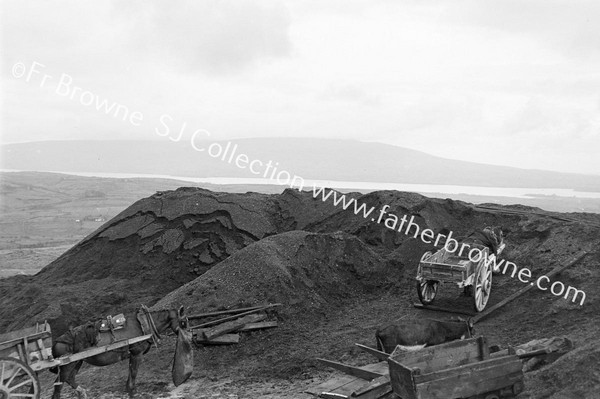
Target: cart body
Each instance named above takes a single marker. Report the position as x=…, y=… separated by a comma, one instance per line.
x=458, y=369
x=25, y=352
x=473, y=275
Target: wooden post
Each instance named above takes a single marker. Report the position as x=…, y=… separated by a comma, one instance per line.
x=232, y=311
x=224, y=319
x=378, y=354
x=230, y=326
x=580, y=255
x=352, y=370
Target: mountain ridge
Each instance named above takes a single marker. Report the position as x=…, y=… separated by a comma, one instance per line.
x=315, y=159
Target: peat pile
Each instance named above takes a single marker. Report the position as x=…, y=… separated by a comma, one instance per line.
x=238, y=249
x=168, y=239
x=153, y=247
x=148, y=250
x=305, y=271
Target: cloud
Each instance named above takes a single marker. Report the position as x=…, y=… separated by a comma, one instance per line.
x=570, y=27
x=211, y=36
x=548, y=119
x=207, y=36
x=350, y=93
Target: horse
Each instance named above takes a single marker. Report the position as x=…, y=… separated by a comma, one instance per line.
x=419, y=333
x=157, y=321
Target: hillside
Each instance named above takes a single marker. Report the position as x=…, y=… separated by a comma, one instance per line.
x=338, y=275
x=43, y=214
x=317, y=159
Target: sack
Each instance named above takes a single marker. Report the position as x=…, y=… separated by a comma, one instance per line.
x=183, y=363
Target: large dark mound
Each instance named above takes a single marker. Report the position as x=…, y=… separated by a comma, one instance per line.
x=305, y=271
x=163, y=241
x=148, y=250
x=337, y=272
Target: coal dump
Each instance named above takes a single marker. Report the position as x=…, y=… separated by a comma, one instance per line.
x=306, y=271
x=337, y=274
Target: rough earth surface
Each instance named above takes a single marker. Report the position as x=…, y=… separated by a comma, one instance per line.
x=338, y=275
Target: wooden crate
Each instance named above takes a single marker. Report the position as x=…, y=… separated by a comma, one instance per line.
x=29, y=344
x=458, y=369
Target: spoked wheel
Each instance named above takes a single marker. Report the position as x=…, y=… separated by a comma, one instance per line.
x=17, y=380
x=483, y=285
x=425, y=256
x=427, y=291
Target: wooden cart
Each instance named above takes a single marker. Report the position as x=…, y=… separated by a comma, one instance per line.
x=25, y=352
x=458, y=369
x=475, y=278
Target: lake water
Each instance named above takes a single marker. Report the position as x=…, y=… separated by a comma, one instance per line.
x=513, y=192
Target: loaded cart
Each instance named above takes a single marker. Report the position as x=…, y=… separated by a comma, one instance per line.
x=472, y=273
x=458, y=369
x=474, y=277
x=25, y=352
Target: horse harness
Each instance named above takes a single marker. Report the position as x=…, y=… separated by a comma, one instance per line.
x=114, y=323
x=148, y=327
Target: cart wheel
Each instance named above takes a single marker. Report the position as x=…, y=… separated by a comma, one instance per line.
x=483, y=285
x=425, y=256
x=17, y=380
x=427, y=291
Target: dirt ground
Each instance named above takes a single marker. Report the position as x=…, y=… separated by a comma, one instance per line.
x=280, y=363
x=339, y=279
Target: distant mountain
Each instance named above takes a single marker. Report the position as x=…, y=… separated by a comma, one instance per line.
x=318, y=159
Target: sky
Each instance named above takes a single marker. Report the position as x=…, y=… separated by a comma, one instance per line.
x=509, y=82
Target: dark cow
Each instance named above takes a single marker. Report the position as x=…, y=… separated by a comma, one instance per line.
x=417, y=334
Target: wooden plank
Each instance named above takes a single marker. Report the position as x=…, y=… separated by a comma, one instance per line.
x=472, y=379
x=497, y=363
x=500, y=353
x=379, y=367
x=579, y=256
x=233, y=311
x=439, y=357
x=374, y=389
x=341, y=387
x=93, y=351
x=332, y=395
x=222, y=320
x=14, y=340
x=331, y=385
x=372, y=351
x=350, y=387
x=525, y=355
x=351, y=370
x=226, y=339
x=401, y=378
x=259, y=326
x=22, y=353
x=442, y=309
x=484, y=349
x=19, y=334
x=347, y=384
x=230, y=326
x=42, y=348
x=469, y=386
x=36, y=349
x=26, y=349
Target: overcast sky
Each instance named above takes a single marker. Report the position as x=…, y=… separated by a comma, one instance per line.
x=505, y=82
